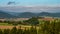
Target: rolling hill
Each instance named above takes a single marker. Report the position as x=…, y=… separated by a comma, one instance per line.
x=27, y=14
x=30, y=14
x=5, y=15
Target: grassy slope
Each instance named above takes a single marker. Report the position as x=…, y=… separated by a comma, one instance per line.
x=5, y=24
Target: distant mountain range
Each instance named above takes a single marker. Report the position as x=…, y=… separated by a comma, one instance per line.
x=4, y=14
x=30, y=14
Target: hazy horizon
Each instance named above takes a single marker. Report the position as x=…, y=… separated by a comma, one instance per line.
x=30, y=5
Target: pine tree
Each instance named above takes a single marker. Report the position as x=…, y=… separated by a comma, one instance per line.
x=1, y=31
x=33, y=30
x=13, y=31
x=25, y=31
x=6, y=31
x=20, y=31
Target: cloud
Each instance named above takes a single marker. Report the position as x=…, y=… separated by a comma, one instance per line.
x=36, y=9
x=9, y=3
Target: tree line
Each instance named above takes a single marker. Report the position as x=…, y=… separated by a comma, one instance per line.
x=49, y=27
x=14, y=30
x=31, y=21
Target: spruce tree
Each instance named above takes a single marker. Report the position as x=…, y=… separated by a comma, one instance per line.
x=13, y=30
x=1, y=31
x=6, y=31
x=33, y=30
x=20, y=31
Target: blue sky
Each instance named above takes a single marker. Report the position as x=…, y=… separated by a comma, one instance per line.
x=36, y=5
x=30, y=2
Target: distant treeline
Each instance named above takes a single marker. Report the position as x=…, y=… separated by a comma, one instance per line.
x=32, y=21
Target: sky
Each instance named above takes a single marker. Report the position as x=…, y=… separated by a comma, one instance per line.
x=35, y=4
x=30, y=2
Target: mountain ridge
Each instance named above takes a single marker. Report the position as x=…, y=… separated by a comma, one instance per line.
x=4, y=14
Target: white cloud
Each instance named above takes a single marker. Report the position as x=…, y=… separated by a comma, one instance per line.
x=31, y=8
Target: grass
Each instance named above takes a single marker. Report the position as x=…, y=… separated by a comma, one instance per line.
x=5, y=24
x=10, y=26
